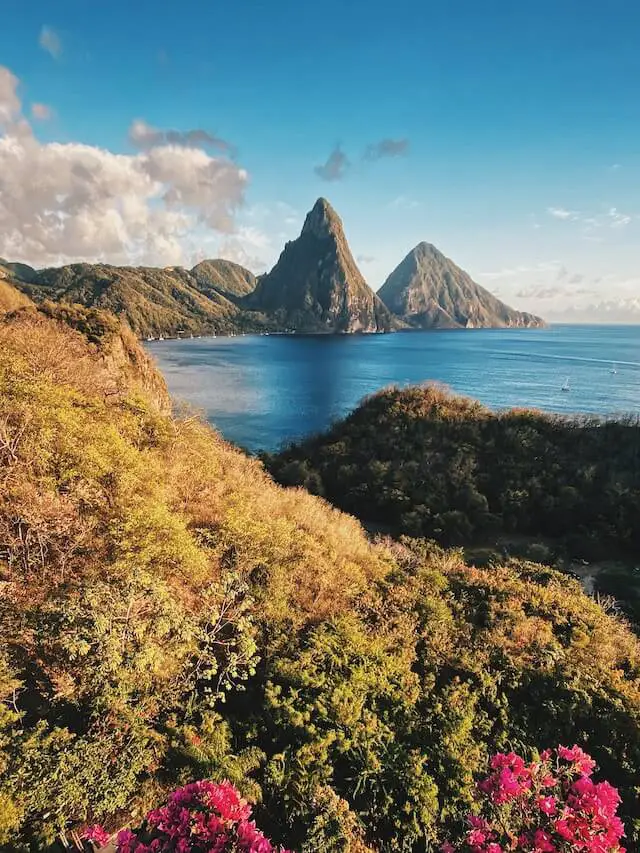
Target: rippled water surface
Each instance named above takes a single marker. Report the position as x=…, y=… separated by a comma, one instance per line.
x=262, y=391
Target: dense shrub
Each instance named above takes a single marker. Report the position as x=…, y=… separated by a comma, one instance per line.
x=135, y=553
x=423, y=462
x=398, y=704
x=149, y=571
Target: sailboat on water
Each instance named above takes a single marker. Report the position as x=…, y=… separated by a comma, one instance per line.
x=566, y=387
x=614, y=369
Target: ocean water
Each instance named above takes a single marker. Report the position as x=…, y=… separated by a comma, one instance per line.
x=263, y=391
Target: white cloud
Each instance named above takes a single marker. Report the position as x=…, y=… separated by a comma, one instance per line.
x=515, y=272
x=41, y=112
x=594, y=225
x=64, y=202
x=247, y=247
x=145, y=136
x=402, y=202
x=562, y=213
x=613, y=218
x=620, y=310
x=9, y=100
x=262, y=231
x=49, y=40
x=617, y=219
x=538, y=292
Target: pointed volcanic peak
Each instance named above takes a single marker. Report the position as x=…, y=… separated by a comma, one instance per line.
x=428, y=291
x=316, y=286
x=323, y=221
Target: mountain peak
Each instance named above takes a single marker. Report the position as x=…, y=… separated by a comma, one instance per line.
x=427, y=290
x=322, y=220
x=425, y=250
x=316, y=285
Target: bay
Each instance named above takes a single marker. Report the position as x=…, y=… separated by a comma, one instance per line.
x=261, y=392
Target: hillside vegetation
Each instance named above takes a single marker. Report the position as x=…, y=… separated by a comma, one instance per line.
x=315, y=287
x=224, y=277
x=423, y=462
x=149, y=570
x=10, y=298
x=152, y=301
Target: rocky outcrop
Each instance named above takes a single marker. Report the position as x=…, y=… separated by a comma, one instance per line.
x=316, y=286
x=428, y=291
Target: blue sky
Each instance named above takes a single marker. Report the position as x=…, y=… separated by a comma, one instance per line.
x=507, y=133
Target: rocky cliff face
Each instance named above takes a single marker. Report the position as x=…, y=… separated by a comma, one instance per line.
x=316, y=286
x=427, y=290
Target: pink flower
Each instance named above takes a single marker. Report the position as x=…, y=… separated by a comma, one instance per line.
x=476, y=836
x=564, y=830
x=204, y=816
x=583, y=762
x=97, y=834
x=476, y=822
x=564, y=811
x=547, y=805
x=447, y=847
x=542, y=842
x=125, y=840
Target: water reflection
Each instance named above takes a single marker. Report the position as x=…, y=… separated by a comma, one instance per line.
x=263, y=391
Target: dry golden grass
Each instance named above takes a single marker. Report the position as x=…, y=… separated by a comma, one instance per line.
x=68, y=407
x=310, y=558
x=10, y=298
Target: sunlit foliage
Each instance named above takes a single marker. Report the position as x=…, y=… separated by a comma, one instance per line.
x=167, y=613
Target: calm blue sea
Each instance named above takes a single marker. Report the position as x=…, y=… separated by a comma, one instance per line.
x=263, y=391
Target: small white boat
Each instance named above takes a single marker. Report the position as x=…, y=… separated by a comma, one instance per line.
x=566, y=387
x=614, y=369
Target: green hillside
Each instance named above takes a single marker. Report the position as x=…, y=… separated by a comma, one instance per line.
x=423, y=462
x=149, y=570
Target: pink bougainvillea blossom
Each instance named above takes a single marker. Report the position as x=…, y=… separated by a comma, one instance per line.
x=551, y=805
x=204, y=816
